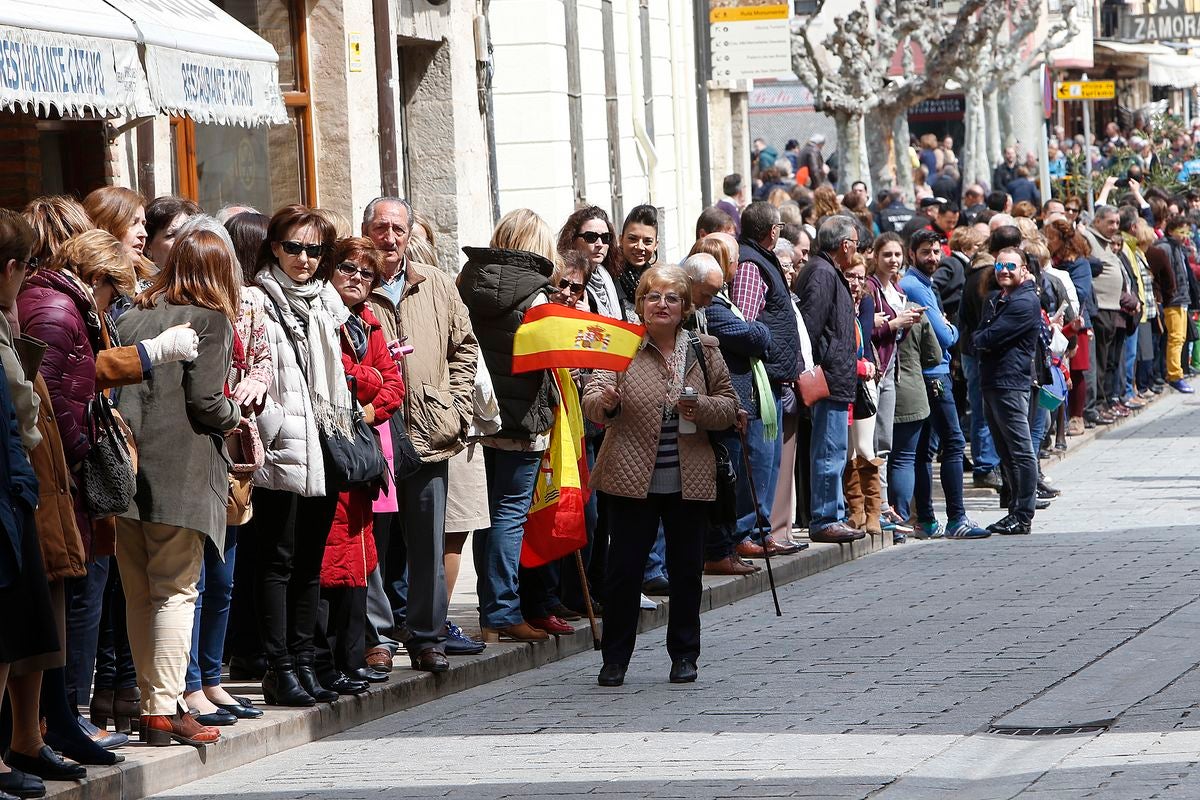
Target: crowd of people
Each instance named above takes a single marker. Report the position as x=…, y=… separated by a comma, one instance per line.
x=255, y=446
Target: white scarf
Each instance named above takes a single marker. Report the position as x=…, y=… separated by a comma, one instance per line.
x=312, y=314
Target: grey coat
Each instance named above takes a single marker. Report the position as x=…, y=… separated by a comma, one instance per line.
x=177, y=417
x=918, y=350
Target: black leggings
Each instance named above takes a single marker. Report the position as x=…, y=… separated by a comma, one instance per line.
x=289, y=541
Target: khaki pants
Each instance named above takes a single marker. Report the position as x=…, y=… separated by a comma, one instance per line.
x=160, y=565
x=1175, y=321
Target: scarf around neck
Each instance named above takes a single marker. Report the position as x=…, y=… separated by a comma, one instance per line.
x=312, y=314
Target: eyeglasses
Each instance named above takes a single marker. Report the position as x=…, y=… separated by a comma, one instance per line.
x=591, y=237
x=856, y=278
x=575, y=288
x=851, y=241
x=1006, y=266
x=350, y=270
x=293, y=248
x=671, y=299
x=1071, y=210
x=31, y=263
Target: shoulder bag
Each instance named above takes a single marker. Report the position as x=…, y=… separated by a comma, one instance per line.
x=810, y=384
x=724, y=509
x=108, y=472
x=245, y=451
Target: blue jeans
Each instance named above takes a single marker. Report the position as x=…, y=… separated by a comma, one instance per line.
x=827, y=454
x=656, y=563
x=1039, y=420
x=1131, y=347
x=764, y=471
x=942, y=422
x=902, y=466
x=983, y=449
x=214, y=591
x=497, y=550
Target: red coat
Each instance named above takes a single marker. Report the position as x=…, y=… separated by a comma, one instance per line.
x=350, y=549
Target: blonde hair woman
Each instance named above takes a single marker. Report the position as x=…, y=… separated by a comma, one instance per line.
x=54, y=219
x=498, y=285
x=654, y=473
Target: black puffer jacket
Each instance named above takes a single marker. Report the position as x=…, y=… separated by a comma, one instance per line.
x=829, y=318
x=498, y=287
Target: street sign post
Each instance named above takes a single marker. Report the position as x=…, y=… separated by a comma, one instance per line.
x=749, y=41
x=1086, y=90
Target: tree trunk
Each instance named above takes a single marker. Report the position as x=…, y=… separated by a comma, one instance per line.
x=879, y=149
x=995, y=148
x=975, y=161
x=852, y=152
x=904, y=173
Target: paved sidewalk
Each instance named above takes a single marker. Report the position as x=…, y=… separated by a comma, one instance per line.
x=881, y=680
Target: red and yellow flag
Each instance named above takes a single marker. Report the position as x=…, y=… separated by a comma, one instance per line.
x=554, y=335
x=556, y=526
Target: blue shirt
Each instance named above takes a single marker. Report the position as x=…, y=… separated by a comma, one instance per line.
x=394, y=288
x=919, y=289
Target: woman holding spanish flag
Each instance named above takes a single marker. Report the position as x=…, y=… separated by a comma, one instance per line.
x=654, y=471
x=498, y=285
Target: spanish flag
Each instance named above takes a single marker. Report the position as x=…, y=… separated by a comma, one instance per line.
x=555, y=526
x=554, y=335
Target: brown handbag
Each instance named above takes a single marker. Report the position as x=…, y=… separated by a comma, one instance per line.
x=811, y=386
x=245, y=451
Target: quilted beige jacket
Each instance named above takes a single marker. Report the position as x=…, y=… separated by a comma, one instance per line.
x=626, y=459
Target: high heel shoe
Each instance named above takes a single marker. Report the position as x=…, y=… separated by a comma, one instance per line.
x=281, y=686
x=100, y=711
x=308, y=679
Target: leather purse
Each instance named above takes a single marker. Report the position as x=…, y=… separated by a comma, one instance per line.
x=245, y=451
x=108, y=472
x=811, y=386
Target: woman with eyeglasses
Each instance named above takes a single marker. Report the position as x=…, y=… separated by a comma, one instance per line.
x=499, y=284
x=590, y=233
x=294, y=503
x=350, y=554
x=654, y=473
x=638, y=249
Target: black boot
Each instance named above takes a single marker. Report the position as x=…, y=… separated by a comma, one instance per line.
x=308, y=679
x=281, y=685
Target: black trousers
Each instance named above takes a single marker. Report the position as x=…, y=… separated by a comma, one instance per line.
x=114, y=659
x=341, y=630
x=241, y=635
x=289, y=544
x=1007, y=413
x=1109, y=327
x=633, y=531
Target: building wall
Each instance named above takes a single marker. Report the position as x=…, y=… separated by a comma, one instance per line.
x=532, y=120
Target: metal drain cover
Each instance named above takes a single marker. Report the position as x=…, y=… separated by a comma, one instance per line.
x=1005, y=730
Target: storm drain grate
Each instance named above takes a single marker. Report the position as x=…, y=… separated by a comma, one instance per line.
x=1061, y=731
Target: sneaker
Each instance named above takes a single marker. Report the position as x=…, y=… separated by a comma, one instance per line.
x=647, y=604
x=964, y=528
x=1182, y=387
x=459, y=644
x=987, y=480
x=899, y=538
x=928, y=530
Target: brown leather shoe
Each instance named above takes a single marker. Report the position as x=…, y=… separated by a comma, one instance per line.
x=775, y=548
x=729, y=565
x=379, y=659
x=521, y=632
x=837, y=533
x=430, y=660
x=159, y=729
x=749, y=549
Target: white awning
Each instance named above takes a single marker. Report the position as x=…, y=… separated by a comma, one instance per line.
x=80, y=55
x=204, y=63
x=1180, y=72
x=71, y=56
x=1128, y=48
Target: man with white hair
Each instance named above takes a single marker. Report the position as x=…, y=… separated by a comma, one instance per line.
x=707, y=281
x=228, y=212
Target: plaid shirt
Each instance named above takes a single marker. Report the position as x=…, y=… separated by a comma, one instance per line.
x=748, y=291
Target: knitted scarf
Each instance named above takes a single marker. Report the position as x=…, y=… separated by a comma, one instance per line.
x=312, y=313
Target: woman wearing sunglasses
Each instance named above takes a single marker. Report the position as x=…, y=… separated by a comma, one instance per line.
x=590, y=233
x=293, y=504
x=350, y=549
x=1005, y=343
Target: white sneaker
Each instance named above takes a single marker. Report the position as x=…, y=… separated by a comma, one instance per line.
x=648, y=604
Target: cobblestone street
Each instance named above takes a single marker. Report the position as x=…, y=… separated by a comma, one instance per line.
x=882, y=679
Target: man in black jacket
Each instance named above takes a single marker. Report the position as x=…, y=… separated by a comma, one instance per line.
x=1005, y=344
x=829, y=318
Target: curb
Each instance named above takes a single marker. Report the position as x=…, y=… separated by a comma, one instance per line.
x=149, y=770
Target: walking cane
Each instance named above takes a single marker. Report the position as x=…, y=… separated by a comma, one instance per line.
x=758, y=520
x=587, y=601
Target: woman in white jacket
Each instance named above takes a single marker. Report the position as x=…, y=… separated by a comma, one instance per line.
x=294, y=506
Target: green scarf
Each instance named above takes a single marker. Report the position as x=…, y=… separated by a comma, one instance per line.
x=762, y=386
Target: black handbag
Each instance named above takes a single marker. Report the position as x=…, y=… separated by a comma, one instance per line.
x=354, y=460
x=864, y=405
x=107, y=475
x=405, y=460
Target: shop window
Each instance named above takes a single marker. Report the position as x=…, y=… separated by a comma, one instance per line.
x=266, y=167
x=48, y=156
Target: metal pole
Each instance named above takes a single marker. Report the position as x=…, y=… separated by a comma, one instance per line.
x=700, y=35
x=385, y=79
x=1087, y=154
x=575, y=100
x=612, y=112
